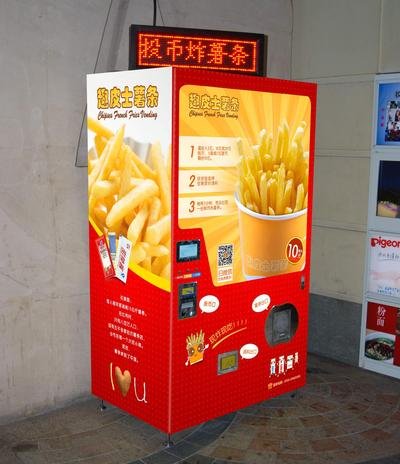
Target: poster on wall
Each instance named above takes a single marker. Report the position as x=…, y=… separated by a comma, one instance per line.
x=388, y=114
x=388, y=193
x=384, y=265
x=382, y=335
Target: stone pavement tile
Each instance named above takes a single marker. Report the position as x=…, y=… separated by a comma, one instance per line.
x=253, y=420
x=298, y=458
x=8, y=457
x=273, y=433
x=315, y=421
x=372, y=418
x=201, y=438
x=265, y=443
x=259, y=457
x=279, y=403
x=287, y=423
x=214, y=427
x=228, y=453
x=161, y=457
x=319, y=390
x=323, y=406
x=356, y=407
x=354, y=425
x=197, y=459
x=295, y=446
x=314, y=378
x=326, y=444
x=376, y=435
x=352, y=442
x=387, y=460
x=239, y=440
x=388, y=398
x=183, y=449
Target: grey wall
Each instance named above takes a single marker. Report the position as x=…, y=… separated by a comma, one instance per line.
x=46, y=49
x=341, y=45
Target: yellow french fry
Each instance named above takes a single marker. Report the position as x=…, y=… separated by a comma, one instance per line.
x=287, y=196
x=100, y=143
x=299, y=198
x=136, y=227
x=131, y=200
x=157, y=231
x=138, y=254
x=264, y=194
x=280, y=190
x=252, y=184
x=98, y=128
x=166, y=272
x=155, y=210
x=162, y=177
x=104, y=188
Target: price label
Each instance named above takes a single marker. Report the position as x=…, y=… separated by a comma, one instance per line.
x=294, y=250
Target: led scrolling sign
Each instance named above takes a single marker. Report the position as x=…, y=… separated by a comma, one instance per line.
x=153, y=46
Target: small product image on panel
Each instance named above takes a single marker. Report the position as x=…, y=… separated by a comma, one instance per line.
x=228, y=362
x=281, y=324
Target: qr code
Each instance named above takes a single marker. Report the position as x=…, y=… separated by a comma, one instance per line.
x=225, y=255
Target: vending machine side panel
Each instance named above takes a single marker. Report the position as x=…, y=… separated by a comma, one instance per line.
x=129, y=141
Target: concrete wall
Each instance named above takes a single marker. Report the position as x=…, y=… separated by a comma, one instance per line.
x=341, y=45
x=47, y=47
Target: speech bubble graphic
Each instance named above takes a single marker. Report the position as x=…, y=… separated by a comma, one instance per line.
x=261, y=303
x=249, y=351
x=209, y=304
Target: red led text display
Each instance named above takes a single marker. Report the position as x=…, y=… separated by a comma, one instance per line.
x=191, y=48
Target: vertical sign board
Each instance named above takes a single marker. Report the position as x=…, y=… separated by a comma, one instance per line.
x=235, y=52
x=200, y=194
x=380, y=333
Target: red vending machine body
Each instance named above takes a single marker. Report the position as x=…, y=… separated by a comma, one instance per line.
x=202, y=307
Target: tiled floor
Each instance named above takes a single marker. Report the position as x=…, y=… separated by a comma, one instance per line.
x=343, y=415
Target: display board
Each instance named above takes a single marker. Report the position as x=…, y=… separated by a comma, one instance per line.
x=380, y=332
x=236, y=52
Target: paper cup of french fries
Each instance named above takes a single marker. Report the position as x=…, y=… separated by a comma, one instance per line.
x=272, y=203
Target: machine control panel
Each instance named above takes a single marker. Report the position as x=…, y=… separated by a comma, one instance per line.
x=187, y=250
x=187, y=300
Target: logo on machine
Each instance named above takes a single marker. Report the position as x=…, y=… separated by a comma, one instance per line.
x=282, y=367
x=195, y=348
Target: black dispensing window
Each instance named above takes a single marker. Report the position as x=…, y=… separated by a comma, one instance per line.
x=281, y=324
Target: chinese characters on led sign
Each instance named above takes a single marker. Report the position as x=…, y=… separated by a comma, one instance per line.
x=214, y=50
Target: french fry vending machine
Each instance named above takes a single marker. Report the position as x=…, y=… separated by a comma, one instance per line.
x=200, y=195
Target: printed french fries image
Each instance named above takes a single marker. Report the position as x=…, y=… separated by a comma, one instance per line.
x=273, y=177
x=131, y=197
x=272, y=197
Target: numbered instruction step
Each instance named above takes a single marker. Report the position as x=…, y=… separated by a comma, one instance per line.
x=207, y=206
x=208, y=152
x=207, y=180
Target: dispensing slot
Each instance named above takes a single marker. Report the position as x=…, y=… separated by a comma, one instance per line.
x=281, y=324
